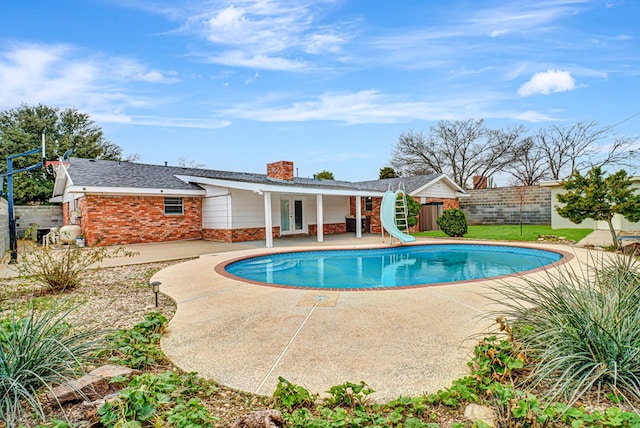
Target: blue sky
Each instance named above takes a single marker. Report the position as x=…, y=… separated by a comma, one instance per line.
x=327, y=84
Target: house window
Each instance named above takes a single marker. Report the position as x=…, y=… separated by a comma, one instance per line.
x=173, y=206
x=368, y=203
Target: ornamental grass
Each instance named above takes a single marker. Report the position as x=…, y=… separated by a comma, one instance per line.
x=37, y=352
x=580, y=328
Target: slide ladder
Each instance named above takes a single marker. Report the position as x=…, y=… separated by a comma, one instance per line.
x=389, y=212
x=401, y=210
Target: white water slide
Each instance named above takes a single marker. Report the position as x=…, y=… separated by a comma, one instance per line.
x=388, y=216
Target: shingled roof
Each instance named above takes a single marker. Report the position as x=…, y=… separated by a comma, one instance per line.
x=116, y=174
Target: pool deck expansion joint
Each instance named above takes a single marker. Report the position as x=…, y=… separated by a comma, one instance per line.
x=286, y=348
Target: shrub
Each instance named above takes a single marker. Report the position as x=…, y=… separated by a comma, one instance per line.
x=35, y=352
x=453, y=222
x=413, y=209
x=581, y=329
x=61, y=268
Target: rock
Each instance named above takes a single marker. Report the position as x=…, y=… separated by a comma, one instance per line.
x=92, y=386
x=475, y=412
x=632, y=248
x=261, y=419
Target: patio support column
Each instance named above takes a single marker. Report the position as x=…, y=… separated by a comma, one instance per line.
x=319, y=216
x=268, y=221
x=358, y=217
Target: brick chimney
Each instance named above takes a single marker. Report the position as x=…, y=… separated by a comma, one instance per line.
x=479, y=182
x=282, y=170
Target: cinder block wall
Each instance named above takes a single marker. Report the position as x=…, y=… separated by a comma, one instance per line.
x=45, y=216
x=4, y=227
x=502, y=205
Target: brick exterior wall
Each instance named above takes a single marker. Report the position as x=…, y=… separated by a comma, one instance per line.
x=66, y=214
x=239, y=235
x=446, y=203
x=328, y=229
x=502, y=205
x=373, y=214
x=112, y=219
x=282, y=170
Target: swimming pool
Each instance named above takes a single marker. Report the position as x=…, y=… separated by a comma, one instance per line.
x=404, y=266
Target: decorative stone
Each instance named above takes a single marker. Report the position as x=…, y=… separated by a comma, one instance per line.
x=475, y=412
x=91, y=386
x=632, y=248
x=261, y=419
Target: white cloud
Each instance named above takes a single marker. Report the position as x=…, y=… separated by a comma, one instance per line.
x=371, y=106
x=61, y=76
x=548, y=82
x=266, y=33
x=265, y=62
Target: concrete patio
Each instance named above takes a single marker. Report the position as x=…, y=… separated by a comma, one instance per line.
x=401, y=342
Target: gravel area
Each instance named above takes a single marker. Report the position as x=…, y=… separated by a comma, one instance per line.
x=111, y=298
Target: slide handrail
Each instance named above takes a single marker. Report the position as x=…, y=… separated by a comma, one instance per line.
x=388, y=217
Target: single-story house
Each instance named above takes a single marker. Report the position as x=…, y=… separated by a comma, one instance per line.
x=126, y=202
x=619, y=222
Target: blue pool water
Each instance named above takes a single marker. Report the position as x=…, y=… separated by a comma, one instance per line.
x=390, y=267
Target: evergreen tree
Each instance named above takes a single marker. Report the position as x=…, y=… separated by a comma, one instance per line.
x=598, y=197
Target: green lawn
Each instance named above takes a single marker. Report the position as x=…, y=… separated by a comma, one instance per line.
x=512, y=233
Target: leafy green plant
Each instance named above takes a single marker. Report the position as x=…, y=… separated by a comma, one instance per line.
x=581, y=329
x=348, y=394
x=293, y=396
x=37, y=351
x=138, y=347
x=158, y=400
x=413, y=209
x=453, y=222
x=62, y=268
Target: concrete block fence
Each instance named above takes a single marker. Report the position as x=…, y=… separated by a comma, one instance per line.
x=502, y=205
x=4, y=227
x=45, y=216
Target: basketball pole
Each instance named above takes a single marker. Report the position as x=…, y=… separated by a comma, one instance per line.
x=13, y=233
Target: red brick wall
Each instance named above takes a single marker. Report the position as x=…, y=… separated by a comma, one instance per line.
x=446, y=203
x=239, y=235
x=66, y=215
x=111, y=219
x=374, y=214
x=282, y=170
x=328, y=229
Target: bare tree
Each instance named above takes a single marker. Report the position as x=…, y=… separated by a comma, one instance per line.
x=567, y=149
x=529, y=166
x=189, y=163
x=460, y=149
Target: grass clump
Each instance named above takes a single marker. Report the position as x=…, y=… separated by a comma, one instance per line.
x=37, y=351
x=580, y=329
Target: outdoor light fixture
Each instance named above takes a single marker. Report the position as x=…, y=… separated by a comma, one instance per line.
x=155, y=285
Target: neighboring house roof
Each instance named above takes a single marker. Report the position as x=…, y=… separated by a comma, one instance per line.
x=91, y=175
